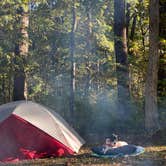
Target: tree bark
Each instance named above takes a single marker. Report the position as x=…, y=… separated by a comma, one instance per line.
x=133, y=27
x=151, y=108
x=3, y=89
x=127, y=19
x=120, y=43
x=21, y=51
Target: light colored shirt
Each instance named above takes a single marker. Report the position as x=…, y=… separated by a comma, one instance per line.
x=117, y=145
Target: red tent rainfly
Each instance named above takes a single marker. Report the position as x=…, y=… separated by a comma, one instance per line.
x=30, y=131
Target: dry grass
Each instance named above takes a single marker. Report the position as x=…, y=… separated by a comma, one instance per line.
x=153, y=156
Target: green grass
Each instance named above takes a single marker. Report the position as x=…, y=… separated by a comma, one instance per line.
x=153, y=156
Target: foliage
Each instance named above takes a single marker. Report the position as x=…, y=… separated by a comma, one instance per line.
x=48, y=63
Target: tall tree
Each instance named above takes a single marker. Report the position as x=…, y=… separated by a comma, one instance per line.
x=120, y=43
x=88, y=44
x=73, y=64
x=21, y=51
x=151, y=108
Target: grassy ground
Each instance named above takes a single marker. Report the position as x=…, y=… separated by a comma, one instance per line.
x=153, y=156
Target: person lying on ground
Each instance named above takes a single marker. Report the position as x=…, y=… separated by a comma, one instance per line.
x=113, y=142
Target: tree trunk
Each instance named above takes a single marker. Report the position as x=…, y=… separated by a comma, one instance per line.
x=73, y=64
x=21, y=51
x=127, y=19
x=133, y=27
x=151, y=110
x=88, y=47
x=120, y=43
x=3, y=88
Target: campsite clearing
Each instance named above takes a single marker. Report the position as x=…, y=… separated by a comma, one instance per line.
x=153, y=156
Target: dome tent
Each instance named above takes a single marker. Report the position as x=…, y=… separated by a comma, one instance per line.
x=29, y=130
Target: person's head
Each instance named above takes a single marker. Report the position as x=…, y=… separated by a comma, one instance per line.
x=108, y=141
x=111, y=141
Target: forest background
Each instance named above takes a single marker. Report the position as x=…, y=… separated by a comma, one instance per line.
x=100, y=64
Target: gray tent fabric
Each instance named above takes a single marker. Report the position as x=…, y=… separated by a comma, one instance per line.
x=45, y=119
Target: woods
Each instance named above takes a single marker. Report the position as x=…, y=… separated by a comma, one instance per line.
x=100, y=64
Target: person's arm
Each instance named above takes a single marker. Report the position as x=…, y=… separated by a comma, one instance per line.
x=106, y=148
